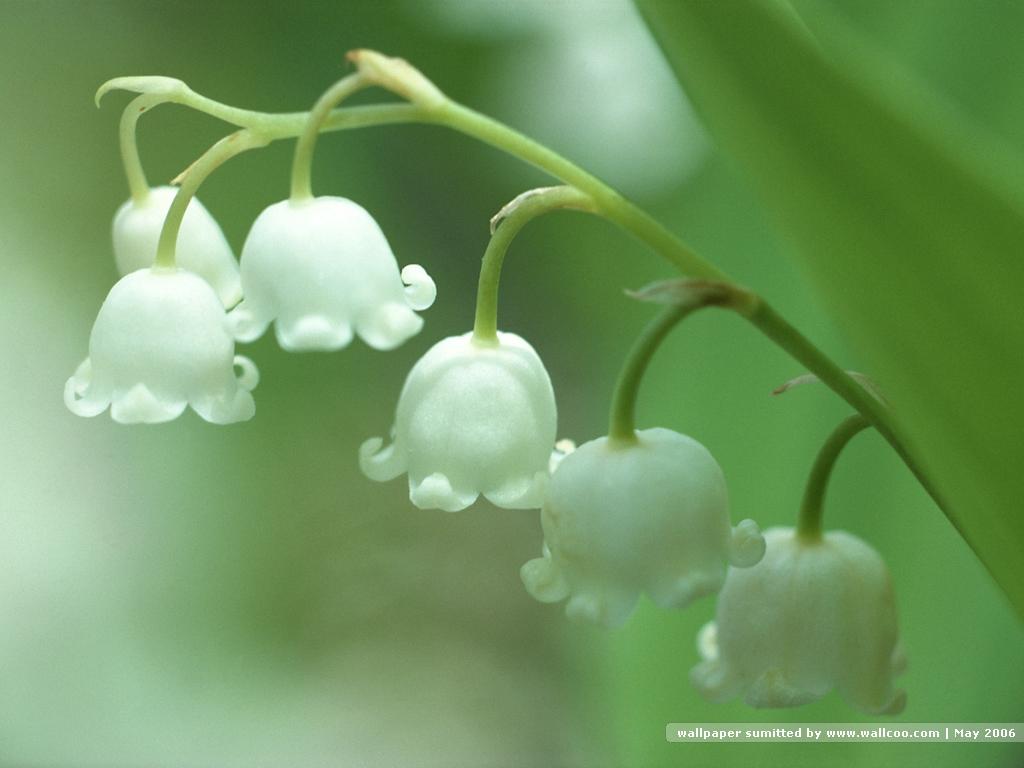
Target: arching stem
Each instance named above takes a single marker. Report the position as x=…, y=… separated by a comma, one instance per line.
x=137, y=183
x=191, y=179
x=809, y=523
x=688, y=297
x=302, y=165
x=504, y=227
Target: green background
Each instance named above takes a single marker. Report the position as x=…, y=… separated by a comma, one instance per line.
x=195, y=595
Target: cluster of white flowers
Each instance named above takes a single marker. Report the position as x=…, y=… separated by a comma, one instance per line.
x=640, y=512
x=163, y=339
x=620, y=518
x=796, y=617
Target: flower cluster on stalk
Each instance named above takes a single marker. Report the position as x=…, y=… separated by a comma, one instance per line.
x=632, y=513
x=321, y=269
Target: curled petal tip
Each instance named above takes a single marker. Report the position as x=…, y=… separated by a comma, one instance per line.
x=543, y=580
x=244, y=325
x=379, y=463
x=747, y=545
x=246, y=372
x=75, y=393
x=79, y=381
x=420, y=288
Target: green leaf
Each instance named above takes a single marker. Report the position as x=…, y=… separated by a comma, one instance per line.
x=908, y=220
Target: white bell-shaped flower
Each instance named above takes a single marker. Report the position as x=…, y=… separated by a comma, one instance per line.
x=201, y=246
x=161, y=342
x=472, y=418
x=625, y=518
x=810, y=617
x=322, y=269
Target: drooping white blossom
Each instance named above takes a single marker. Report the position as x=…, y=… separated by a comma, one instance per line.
x=321, y=270
x=625, y=518
x=201, y=245
x=473, y=418
x=810, y=617
x=160, y=343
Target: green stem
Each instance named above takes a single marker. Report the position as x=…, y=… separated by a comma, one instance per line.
x=607, y=202
x=809, y=524
x=273, y=125
x=622, y=419
x=696, y=294
x=137, y=183
x=302, y=165
x=213, y=158
x=505, y=226
x=289, y=125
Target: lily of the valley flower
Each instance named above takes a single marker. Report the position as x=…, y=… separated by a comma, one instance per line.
x=322, y=269
x=201, y=246
x=624, y=518
x=813, y=615
x=161, y=342
x=472, y=418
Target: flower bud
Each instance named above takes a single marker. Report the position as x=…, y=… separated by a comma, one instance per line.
x=161, y=342
x=624, y=518
x=811, y=616
x=472, y=418
x=323, y=269
x=201, y=247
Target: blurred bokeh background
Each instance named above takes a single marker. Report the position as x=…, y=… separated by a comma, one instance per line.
x=190, y=595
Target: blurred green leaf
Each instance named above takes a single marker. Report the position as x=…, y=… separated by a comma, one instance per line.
x=908, y=220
